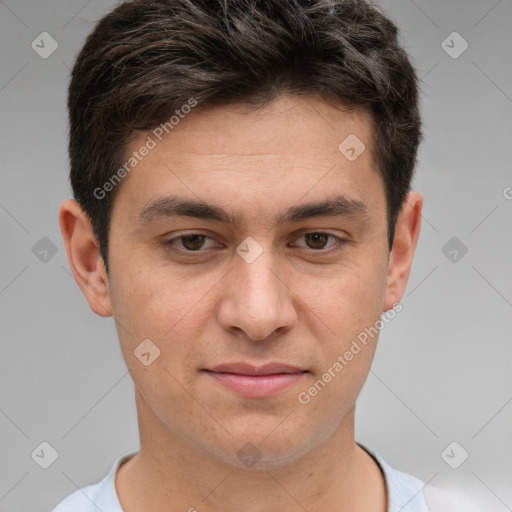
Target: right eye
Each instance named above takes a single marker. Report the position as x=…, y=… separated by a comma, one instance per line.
x=188, y=242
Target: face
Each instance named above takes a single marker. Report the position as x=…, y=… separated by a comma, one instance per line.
x=287, y=267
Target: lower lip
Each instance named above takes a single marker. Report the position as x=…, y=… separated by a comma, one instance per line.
x=257, y=385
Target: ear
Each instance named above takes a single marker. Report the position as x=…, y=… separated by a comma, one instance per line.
x=84, y=256
x=407, y=231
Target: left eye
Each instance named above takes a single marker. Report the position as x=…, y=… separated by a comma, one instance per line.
x=318, y=240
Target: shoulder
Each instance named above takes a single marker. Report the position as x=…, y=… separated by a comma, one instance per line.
x=410, y=494
x=97, y=497
x=84, y=499
x=405, y=492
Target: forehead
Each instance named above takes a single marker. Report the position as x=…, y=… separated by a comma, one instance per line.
x=293, y=148
x=305, y=122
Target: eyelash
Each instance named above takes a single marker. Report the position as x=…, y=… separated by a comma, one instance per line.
x=333, y=248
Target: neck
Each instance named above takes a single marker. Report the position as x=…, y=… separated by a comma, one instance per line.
x=336, y=475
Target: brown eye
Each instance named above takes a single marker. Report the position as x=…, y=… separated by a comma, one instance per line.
x=192, y=242
x=317, y=240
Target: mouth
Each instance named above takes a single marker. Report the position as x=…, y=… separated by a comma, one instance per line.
x=256, y=381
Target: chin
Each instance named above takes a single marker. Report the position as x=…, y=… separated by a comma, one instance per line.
x=260, y=451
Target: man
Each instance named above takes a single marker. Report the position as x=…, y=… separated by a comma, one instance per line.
x=243, y=210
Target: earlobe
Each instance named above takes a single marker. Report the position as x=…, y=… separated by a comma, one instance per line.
x=404, y=244
x=84, y=256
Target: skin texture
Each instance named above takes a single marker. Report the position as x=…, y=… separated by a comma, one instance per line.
x=297, y=303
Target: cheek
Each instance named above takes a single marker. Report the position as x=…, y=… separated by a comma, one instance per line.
x=348, y=300
x=175, y=312
x=169, y=312
x=154, y=299
x=349, y=307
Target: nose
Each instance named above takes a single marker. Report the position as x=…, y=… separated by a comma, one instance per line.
x=257, y=299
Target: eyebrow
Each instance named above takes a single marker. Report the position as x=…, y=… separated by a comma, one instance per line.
x=173, y=206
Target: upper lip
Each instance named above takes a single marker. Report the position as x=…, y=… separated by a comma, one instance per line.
x=249, y=369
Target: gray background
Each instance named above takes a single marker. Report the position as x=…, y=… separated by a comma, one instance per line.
x=442, y=369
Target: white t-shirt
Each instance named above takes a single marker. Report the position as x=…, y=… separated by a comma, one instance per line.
x=405, y=492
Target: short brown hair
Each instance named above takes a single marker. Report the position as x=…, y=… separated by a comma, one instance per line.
x=147, y=58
